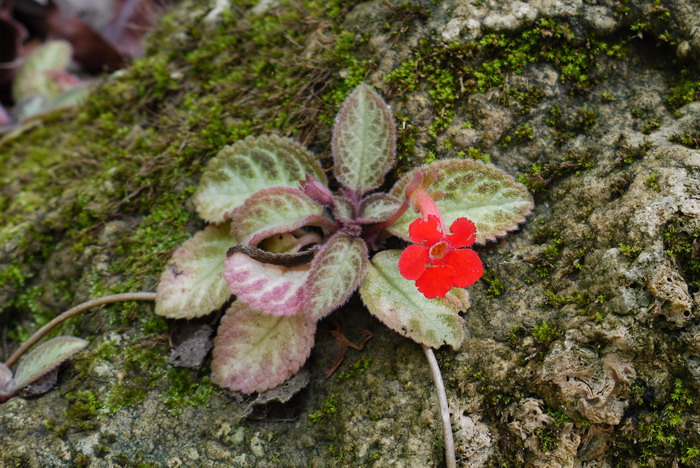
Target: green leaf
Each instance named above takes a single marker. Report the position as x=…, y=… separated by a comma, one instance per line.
x=397, y=303
x=193, y=284
x=364, y=141
x=240, y=170
x=275, y=210
x=32, y=78
x=254, y=352
x=486, y=195
x=45, y=358
x=378, y=207
x=335, y=273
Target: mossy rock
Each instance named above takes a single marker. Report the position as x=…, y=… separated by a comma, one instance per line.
x=583, y=338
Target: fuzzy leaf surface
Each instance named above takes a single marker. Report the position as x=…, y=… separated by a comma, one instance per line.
x=275, y=210
x=272, y=289
x=364, y=140
x=489, y=197
x=254, y=352
x=249, y=165
x=400, y=306
x=192, y=284
x=335, y=273
x=45, y=358
x=378, y=207
x=343, y=208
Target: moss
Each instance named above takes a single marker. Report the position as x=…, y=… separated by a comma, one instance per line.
x=144, y=365
x=474, y=153
x=626, y=154
x=683, y=91
x=540, y=176
x=494, y=283
x=328, y=408
x=690, y=138
x=81, y=414
x=360, y=366
x=544, y=334
x=653, y=182
x=450, y=72
x=658, y=434
x=681, y=240
x=629, y=250
x=651, y=125
x=81, y=461
x=404, y=77
x=523, y=133
x=185, y=388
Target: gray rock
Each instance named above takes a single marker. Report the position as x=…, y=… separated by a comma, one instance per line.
x=583, y=337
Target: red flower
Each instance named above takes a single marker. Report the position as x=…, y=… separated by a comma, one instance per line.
x=438, y=261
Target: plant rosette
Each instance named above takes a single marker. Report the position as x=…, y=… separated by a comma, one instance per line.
x=292, y=251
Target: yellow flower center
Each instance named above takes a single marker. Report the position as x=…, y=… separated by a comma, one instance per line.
x=438, y=251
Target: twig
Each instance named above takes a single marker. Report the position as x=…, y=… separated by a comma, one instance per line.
x=142, y=296
x=450, y=459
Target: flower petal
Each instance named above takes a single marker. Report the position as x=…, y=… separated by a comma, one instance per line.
x=426, y=231
x=463, y=233
x=466, y=265
x=435, y=282
x=412, y=262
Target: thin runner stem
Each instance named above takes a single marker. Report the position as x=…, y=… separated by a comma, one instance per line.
x=141, y=296
x=450, y=459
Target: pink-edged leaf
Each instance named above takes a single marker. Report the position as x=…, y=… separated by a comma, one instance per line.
x=484, y=194
x=272, y=289
x=364, y=140
x=192, y=284
x=254, y=352
x=335, y=273
x=378, y=207
x=400, y=306
x=45, y=358
x=249, y=165
x=274, y=210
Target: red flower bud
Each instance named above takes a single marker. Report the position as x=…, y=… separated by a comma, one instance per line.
x=316, y=190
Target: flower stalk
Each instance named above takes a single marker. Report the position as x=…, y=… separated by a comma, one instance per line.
x=72, y=312
x=450, y=459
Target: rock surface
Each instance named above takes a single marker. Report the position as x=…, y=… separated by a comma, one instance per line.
x=584, y=335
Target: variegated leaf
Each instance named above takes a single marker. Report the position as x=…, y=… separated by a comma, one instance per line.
x=192, y=284
x=240, y=170
x=364, y=140
x=486, y=195
x=378, y=207
x=335, y=273
x=397, y=303
x=343, y=209
x=275, y=210
x=5, y=377
x=272, y=289
x=32, y=78
x=254, y=352
x=45, y=358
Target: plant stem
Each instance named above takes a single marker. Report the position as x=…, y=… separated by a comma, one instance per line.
x=450, y=459
x=141, y=296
